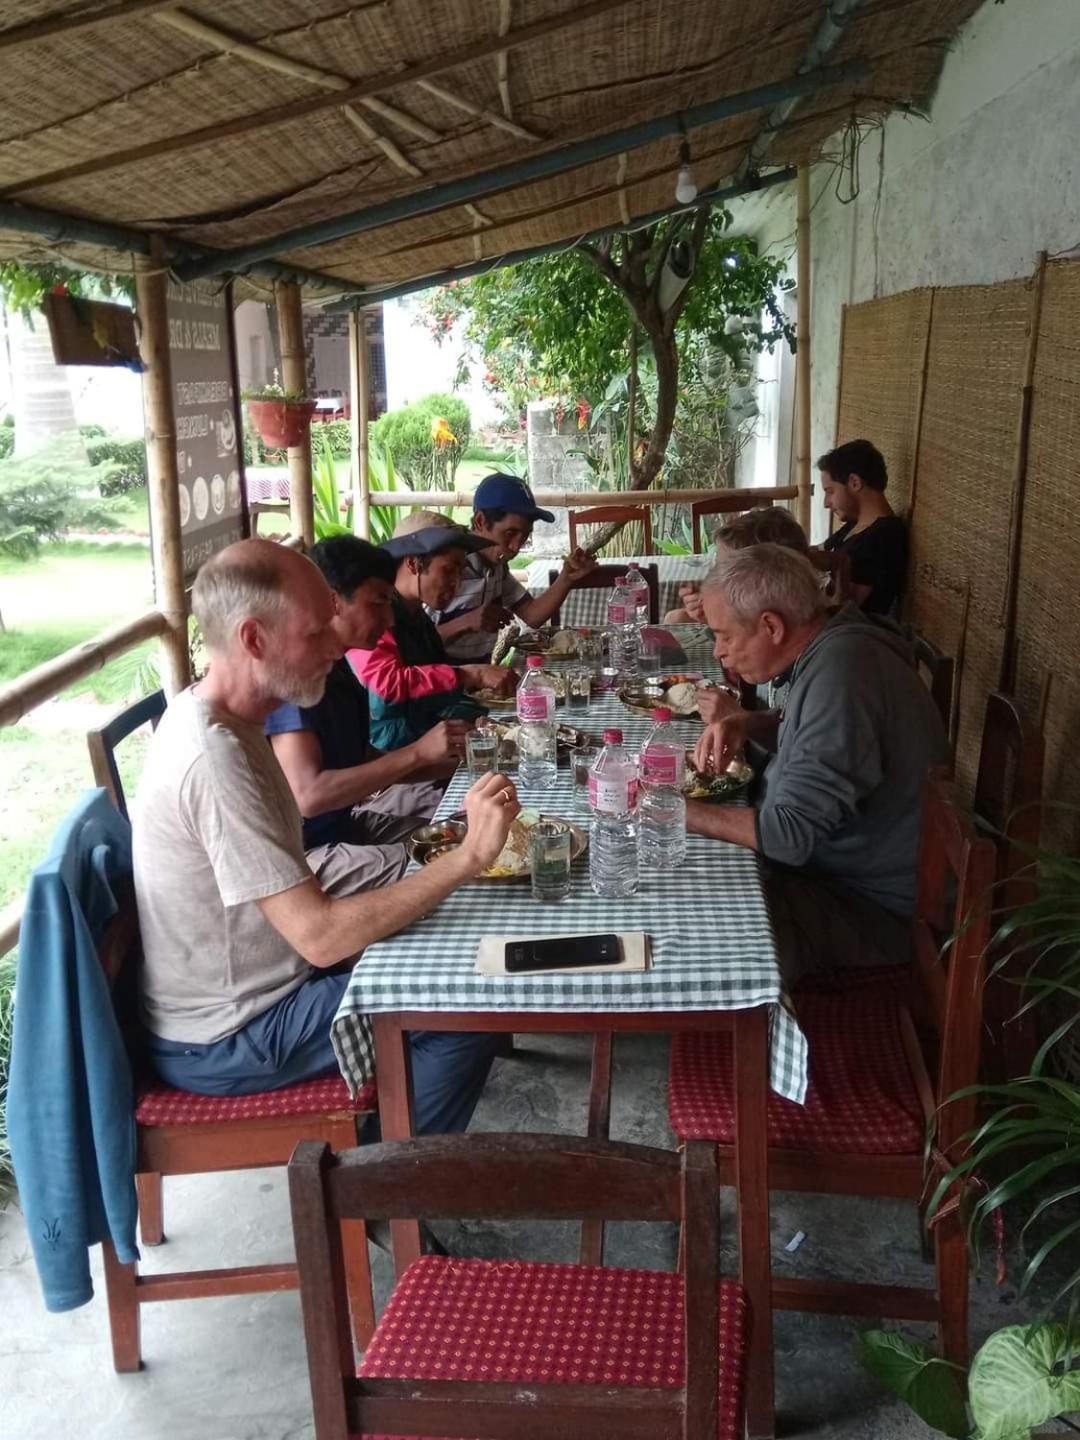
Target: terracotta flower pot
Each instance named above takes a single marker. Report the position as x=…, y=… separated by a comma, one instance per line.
x=281, y=423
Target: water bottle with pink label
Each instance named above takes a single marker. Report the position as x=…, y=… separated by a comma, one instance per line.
x=622, y=627
x=663, y=756
x=613, y=857
x=537, y=754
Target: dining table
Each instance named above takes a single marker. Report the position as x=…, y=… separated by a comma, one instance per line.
x=713, y=966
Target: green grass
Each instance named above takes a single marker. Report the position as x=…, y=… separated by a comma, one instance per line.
x=129, y=511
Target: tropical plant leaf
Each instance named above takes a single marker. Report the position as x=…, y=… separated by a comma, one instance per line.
x=931, y=1386
x=1016, y=1381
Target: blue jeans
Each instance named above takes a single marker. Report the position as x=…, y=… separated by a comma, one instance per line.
x=291, y=1042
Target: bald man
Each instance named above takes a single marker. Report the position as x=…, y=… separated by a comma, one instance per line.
x=246, y=956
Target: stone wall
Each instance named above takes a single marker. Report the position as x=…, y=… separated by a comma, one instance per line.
x=553, y=467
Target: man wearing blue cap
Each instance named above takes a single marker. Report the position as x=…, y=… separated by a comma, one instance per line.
x=488, y=594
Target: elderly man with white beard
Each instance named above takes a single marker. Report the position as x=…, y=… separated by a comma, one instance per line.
x=246, y=956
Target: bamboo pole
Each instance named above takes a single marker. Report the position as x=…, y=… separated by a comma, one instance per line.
x=290, y=317
x=45, y=681
x=565, y=499
x=802, y=366
x=1019, y=486
x=358, y=392
x=163, y=479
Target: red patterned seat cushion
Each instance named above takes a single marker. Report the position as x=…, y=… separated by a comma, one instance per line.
x=548, y=1324
x=160, y=1104
x=861, y=1099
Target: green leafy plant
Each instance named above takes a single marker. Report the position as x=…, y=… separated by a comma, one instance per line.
x=333, y=512
x=274, y=391
x=46, y=494
x=410, y=433
x=1021, y=1377
x=1030, y=1145
x=124, y=460
x=24, y=286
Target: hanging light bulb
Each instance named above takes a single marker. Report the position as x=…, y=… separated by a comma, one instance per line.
x=685, y=188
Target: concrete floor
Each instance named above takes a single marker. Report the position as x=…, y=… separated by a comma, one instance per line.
x=234, y=1369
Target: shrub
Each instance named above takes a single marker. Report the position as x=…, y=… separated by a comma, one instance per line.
x=45, y=495
x=7, y=439
x=407, y=434
x=338, y=434
x=125, y=460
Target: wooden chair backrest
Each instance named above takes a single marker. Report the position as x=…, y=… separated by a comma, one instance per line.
x=936, y=668
x=604, y=577
x=733, y=504
x=610, y=514
x=953, y=903
x=548, y=1177
x=1008, y=793
x=103, y=743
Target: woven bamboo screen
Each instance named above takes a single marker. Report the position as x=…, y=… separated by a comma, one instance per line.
x=964, y=485
x=884, y=342
x=1048, y=615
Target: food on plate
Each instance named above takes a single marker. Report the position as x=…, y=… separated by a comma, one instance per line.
x=513, y=859
x=682, y=697
x=723, y=785
x=564, y=642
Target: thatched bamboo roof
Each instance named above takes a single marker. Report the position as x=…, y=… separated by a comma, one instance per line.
x=229, y=124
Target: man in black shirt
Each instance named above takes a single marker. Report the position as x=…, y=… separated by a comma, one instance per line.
x=325, y=752
x=853, y=477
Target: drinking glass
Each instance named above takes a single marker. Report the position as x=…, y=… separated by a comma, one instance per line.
x=649, y=658
x=578, y=687
x=549, y=860
x=481, y=751
x=591, y=649
x=582, y=759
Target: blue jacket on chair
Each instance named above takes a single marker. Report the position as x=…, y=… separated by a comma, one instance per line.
x=71, y=1109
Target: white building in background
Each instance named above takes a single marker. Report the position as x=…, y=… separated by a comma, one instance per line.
x=416, y=366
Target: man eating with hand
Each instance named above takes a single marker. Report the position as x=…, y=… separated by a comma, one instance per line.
x=838, y=812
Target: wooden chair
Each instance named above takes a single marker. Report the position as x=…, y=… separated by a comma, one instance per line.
x=609, y=514
x=871, y=1096
x=178, y=1133
x=733, y=503
x=513, y=1350
x=604, y=577
x=103, y=743
x=1008, y=792
x=936, y=668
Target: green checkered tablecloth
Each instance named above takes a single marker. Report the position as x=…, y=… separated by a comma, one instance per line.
x=712, y=944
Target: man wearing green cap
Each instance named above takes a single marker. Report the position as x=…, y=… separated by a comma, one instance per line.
x=412, y=684
x=488, y=594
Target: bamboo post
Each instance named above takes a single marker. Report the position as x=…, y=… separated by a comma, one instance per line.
x=1020, y=465
x=163, y=478
x=802, y=365
x=290, y=317
x=358, y=400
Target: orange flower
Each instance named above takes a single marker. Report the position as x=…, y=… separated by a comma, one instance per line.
x=441, y=432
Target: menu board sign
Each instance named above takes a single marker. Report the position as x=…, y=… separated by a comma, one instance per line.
x=206, y=409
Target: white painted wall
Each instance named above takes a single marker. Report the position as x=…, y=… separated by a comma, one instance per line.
x=969, y=198
x=416, y=366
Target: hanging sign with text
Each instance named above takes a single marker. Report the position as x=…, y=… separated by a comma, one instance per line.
x=208, y=435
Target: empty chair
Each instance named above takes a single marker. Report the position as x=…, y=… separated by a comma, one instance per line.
x=1008, y=792
x=513, y=1350
x=937, y=669
x=871, y=1096
x=611, y=514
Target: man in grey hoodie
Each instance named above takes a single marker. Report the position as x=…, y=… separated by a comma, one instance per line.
x=837, y=815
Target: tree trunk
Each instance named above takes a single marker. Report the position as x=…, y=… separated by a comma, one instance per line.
x=42, y=406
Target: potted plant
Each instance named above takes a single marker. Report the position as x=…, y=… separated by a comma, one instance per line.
x=1028, y=1144
x=281, y=417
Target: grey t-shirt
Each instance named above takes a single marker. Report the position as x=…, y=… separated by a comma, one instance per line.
x=215, y=829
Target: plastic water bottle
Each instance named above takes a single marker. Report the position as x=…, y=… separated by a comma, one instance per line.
x=663, y=756
x=622, y=625
x=638, y=587
x=537, y=754
x=661, y=827
x=613, y=853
